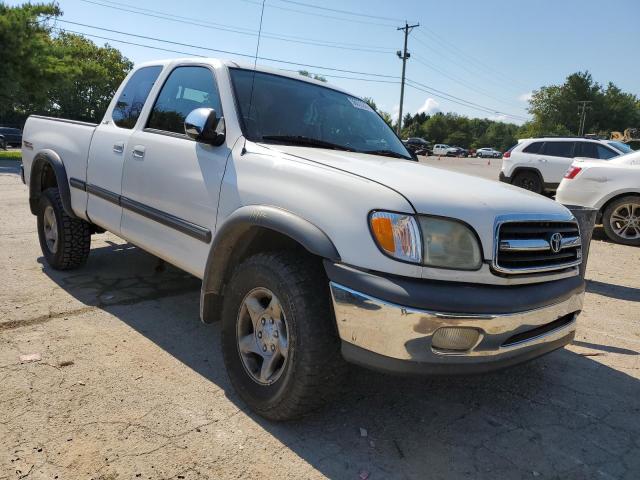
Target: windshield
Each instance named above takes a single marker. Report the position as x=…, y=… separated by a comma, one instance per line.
x=285, y=110
x=622, y=147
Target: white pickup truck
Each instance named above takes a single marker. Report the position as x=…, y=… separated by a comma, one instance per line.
x=317, y=238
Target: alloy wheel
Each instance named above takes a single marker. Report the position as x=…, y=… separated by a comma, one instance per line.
x=262, y=336
x=50, y=229
x=625, y=221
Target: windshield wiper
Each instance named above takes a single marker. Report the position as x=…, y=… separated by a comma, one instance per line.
x=306, y=141
x=386, y=153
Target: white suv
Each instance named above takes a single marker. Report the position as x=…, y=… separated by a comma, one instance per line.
x=538, y=164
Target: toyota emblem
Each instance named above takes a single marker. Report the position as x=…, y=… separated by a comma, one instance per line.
x=556, y=242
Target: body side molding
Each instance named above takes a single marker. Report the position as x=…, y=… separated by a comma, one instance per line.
x=240, y=222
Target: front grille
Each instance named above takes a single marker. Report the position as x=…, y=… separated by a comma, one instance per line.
x=537, y=246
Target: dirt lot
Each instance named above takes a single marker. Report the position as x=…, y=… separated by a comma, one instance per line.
x=130, y=384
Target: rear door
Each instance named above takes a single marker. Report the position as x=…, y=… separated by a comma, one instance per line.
x=108, y=147
x=171, y=183
x=554, y=158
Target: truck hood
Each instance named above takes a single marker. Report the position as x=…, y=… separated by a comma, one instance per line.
x=436, y=191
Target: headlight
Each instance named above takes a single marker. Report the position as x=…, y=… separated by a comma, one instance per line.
x=397, y=234
x=449, y=244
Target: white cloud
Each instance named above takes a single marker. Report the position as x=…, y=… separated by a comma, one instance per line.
x=429, y=106
x=525, y=97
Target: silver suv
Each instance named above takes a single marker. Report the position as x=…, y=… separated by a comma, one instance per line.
x=538, y=164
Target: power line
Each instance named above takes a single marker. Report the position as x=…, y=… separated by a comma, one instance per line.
x=458, y=100
x=335, y=10
x=316, y=14
x=465, y=67
x=228, y=52
x=233, y=29
x=456, y=79
x=462, y=53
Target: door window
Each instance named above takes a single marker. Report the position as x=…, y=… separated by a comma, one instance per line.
x=186, y=89
x=558, y=149
x=594, y=150
x=533, y=147
x=129, y=105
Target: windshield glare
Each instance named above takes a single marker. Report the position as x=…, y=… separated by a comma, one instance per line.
x=285, y=107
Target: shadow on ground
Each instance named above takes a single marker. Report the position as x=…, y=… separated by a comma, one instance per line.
x=563, y=416
x=611, y=290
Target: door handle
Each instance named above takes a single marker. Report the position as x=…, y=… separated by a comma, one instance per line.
x=118, y=147
x=138, y=151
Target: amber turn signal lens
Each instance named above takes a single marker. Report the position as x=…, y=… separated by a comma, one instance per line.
x=383, y=231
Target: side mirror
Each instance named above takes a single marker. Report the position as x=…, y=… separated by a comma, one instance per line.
x=203, y=125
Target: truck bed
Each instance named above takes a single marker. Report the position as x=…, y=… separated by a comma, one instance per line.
x=69, y=140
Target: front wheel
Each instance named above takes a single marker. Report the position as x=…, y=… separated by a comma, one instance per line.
x=65, y=241
x=279, y=338
x=529, y=181
x=621, y=220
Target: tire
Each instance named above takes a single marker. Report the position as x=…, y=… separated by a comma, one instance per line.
x=313, y=369
x=621, y=212
x=72, y=243
x=529, y=181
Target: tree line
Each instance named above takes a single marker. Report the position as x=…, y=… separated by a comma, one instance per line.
x=53, y=73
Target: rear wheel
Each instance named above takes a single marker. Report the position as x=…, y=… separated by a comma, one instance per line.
x=65, y=241
x=621, y=220
x=529, y=181
x=279, y=340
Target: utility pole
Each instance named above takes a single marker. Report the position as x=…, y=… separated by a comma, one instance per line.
x=404, y=56
x=582, y=109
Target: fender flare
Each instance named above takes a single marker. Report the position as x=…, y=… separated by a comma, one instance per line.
x=311, y=237
x=51, y=158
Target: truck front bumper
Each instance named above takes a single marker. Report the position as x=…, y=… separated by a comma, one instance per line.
x=379, y=333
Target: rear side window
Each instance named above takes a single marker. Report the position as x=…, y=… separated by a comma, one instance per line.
x=186, y=89
x=558, y=149
x=594, y=150
x=127, y=110
x=533, y=147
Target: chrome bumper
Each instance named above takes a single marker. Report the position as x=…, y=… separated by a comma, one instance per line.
x=405, y=334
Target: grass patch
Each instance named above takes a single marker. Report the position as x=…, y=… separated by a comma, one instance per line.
x=10, y=155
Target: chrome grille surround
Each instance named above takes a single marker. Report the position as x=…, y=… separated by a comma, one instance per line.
x=535, y=250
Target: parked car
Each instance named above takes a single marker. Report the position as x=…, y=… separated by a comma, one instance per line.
x=462, y=152
x=12, y=136
x=418, y=145
x=313, y=246
x=488, y=153
x=613, y=188
x=538, y=164
x=441, y=149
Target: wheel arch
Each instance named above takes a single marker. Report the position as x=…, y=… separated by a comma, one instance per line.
x=612, y=198
x=534, y=170
x=48, y=170
x=252, y=229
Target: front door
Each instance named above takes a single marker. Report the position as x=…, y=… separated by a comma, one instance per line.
x=108, y=147
x=555, y=158
x=171, y=183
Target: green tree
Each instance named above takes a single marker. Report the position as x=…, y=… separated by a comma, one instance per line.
x=88, y=77
x=53, y=74
x=555, y=107
x=26, y=59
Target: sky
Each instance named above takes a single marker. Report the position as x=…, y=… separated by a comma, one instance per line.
x=476, y=58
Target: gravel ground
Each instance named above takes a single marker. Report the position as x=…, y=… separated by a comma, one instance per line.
x=130, y=384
